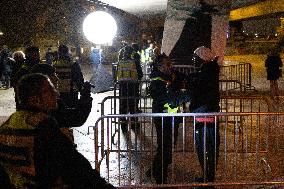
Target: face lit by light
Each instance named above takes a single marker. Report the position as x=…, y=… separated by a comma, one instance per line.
x=99, y=27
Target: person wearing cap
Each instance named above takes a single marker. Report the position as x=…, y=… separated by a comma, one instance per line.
x=205, y=97
x=164, y=101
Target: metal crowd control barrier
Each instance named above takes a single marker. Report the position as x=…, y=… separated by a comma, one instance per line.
x=110, y=104
x=239, y=71
x=256, y=161
x=143, y=87
x=186, y=69
x=226, y=87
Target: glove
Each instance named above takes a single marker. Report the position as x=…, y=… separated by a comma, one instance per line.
x=86, y=90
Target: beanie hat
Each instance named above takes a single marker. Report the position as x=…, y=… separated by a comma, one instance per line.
x=45, y=69
x=204, y=53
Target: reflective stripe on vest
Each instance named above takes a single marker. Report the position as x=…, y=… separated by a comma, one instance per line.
x=126, y=71
x=17, y=147
x=63, y=71
x=157, y=79
x=142, y=57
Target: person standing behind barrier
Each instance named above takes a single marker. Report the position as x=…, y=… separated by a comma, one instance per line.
x=164, y=101
x=129, y=73
x=70, y=76
x=273, y=64
x=205, y=97
x=34, y=152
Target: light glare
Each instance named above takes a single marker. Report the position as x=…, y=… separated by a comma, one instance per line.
x=99, y=27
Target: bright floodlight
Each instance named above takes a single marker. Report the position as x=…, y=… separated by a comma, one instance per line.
x=99, y=27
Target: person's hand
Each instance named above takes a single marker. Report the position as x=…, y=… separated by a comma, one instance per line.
x=86, y=90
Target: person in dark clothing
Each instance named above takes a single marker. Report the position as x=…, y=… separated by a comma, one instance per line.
x=273, y=64
x=32, y=58
x=129, y=73
x=205, y=97
x=49, y=56
x=43, y=157
x=164, y=101
x=65, y=116
x=7, y=62
x=19, y=58
x=3, y=54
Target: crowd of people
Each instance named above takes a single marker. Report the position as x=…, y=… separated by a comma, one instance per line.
x=37, y=148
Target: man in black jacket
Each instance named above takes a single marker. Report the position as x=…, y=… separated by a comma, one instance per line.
x=34, y=152
x=205, y=97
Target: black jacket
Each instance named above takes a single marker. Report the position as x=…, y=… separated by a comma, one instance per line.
x=73, y=117
x=204, y=87
x=273, y=64
x=162, y=94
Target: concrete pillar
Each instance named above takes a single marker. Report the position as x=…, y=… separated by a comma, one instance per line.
x=193, y=23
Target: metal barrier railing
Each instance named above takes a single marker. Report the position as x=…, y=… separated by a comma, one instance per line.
x=110, y=104
x=239, y=71
x=226, y=87
x=254, y=158
x=185, y=69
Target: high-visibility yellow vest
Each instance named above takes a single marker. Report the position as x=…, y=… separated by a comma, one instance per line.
x=126, y=70
x=17, y=147
x=167, y=105
x=171, y=110
x=63, y=71
x=142, y=57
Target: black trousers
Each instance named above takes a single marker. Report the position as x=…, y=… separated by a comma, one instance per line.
x=128, y=103
x=163, y=157
x=208, y=136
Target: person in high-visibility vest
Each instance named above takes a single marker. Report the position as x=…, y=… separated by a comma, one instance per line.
x=205, y=97
x=70, y=76
x=164, y=101
x=129, y=73
x=34, y=153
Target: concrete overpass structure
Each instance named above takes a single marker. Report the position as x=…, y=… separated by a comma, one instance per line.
x=185, y=28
